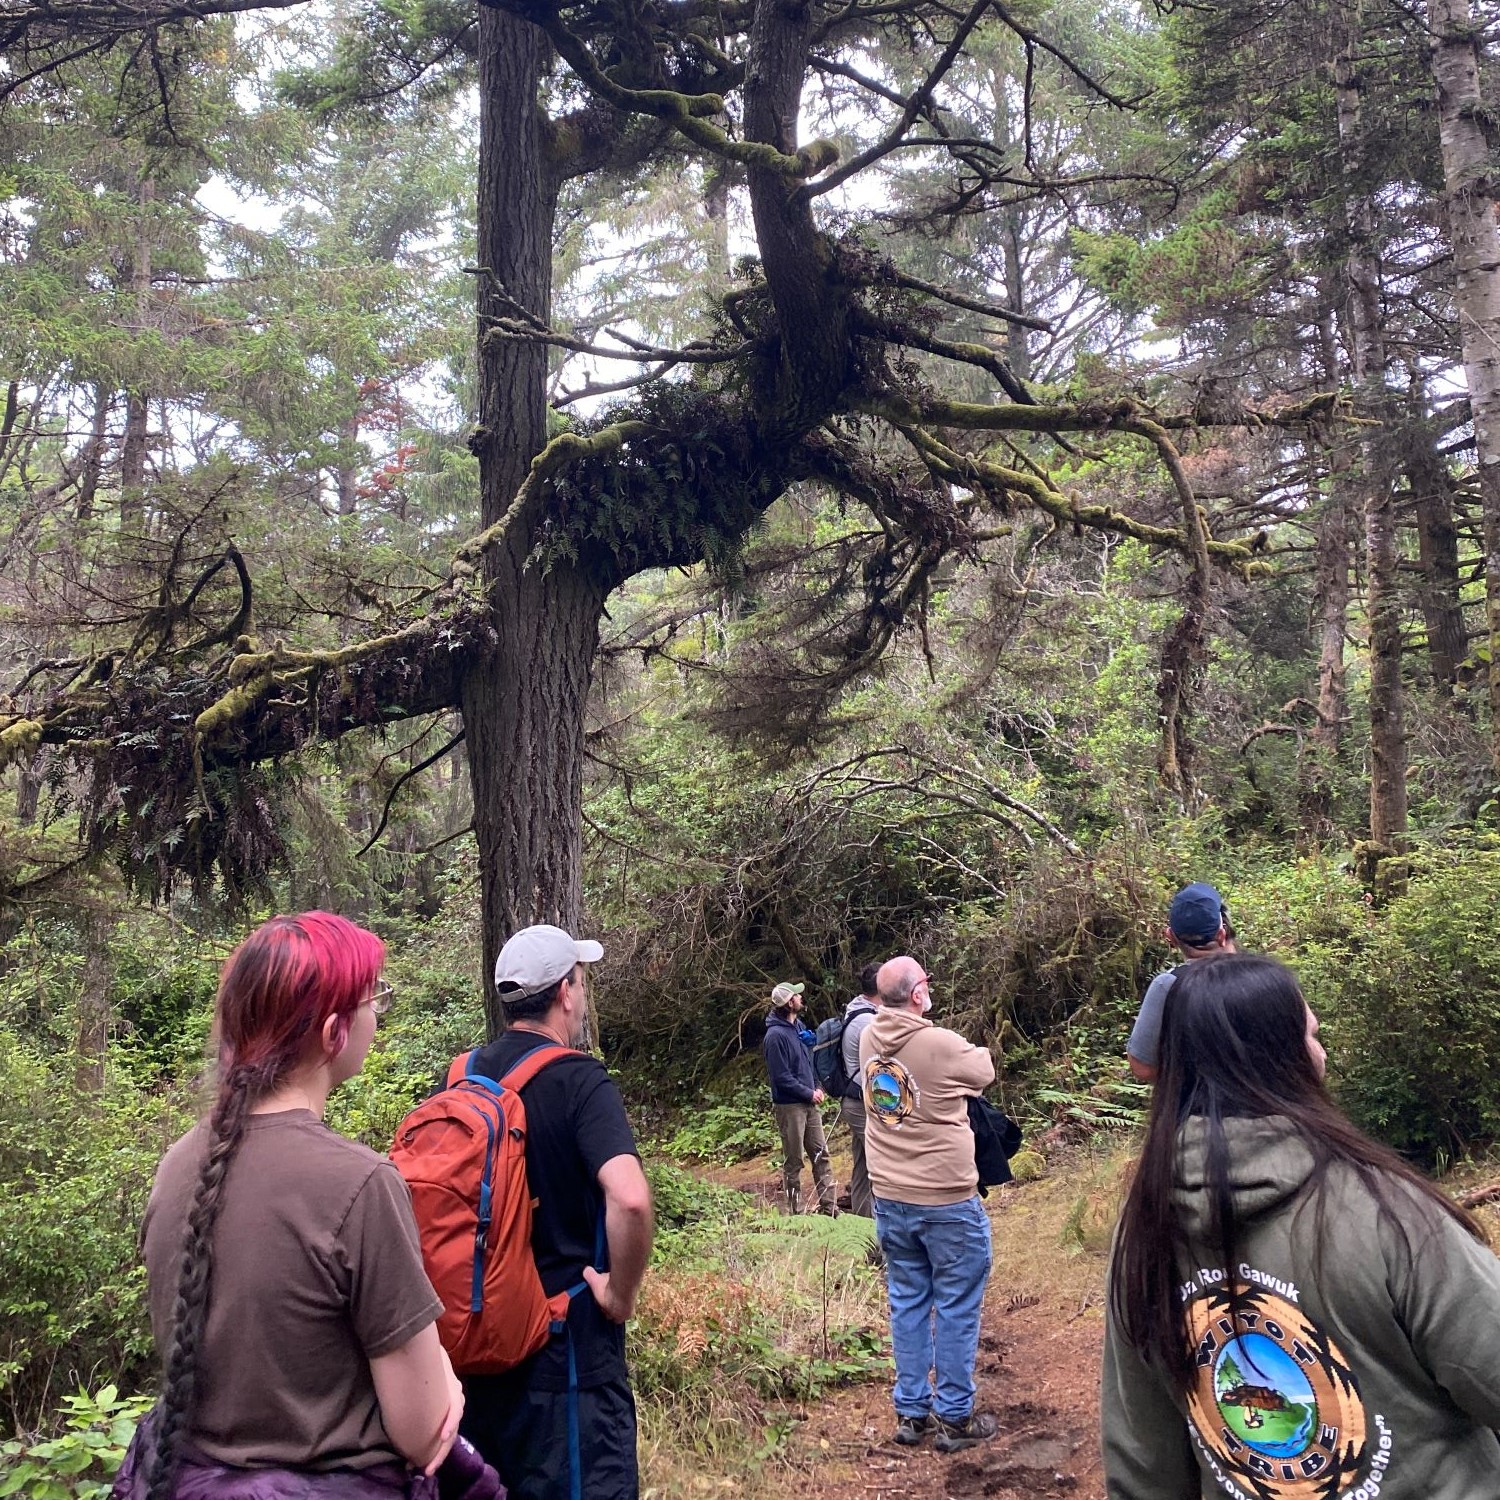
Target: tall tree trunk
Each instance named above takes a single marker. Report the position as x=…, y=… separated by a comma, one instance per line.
x=91, y=460
x=1332, y=585
x=1183, y=649
x=137, y=401
x=716, y=209
x=1437, y=554
x=1004, y=137
x=813, y=309
x=133, y=464
x=1470, y=181
x=347, y=473
x=523, y=705
x=1017, y=341
x=1334, y=549
x=95, y=982
x=1373, y=397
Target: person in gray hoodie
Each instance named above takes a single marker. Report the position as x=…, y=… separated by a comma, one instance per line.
x=1294, y=1313
x=858, y=1014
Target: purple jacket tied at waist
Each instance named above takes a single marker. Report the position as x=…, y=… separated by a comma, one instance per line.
x=463, y=1476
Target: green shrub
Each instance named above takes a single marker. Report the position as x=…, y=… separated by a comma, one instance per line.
x=1410, y=1005
x=436, y=1014
x=75, y=1171
x=691, y=1215
x=725, y=1133
x=85, y=1455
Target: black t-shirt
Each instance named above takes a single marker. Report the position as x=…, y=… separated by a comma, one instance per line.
x=575, y=1122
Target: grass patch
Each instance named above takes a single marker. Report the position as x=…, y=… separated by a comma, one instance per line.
x=744, y=1318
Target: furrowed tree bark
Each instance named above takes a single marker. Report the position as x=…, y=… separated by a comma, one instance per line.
x=1470, y=182
x=815, y=360
x=1334, y=551
x=1182, y=655
x=1437, y=556
x=523, y=703
x=1373, y=398
x=94, y=985
x=137, y=402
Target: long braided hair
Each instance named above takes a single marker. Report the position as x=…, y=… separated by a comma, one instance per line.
x=276, y=992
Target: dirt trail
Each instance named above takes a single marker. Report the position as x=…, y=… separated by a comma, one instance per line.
x=1038, y=1371
x=1038, y=1366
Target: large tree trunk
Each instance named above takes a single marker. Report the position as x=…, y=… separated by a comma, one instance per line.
x=1437, y=556
x=1373, y=398
x=523, y=705
x=137, y=402
x=1332, y=585
x=813, y=311
x=1334, y=551
x=95, y=983
x=1471, y=185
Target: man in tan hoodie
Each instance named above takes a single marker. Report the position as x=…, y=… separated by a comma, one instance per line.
x=919, y=1148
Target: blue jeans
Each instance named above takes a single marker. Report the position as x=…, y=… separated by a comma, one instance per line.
x=937, y=1260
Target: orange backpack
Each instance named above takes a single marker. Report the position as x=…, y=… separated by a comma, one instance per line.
x=463, y=1154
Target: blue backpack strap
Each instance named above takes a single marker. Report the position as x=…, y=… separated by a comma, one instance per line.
x=522, y=1071
x=575, y=1444
x=575, y=1441
x=465, y=1069
x=528, y=1067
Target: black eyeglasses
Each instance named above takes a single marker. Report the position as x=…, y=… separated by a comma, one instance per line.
x=380, y=1000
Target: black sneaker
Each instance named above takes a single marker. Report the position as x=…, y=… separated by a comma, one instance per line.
x=954, y=1437
x=911, y=1430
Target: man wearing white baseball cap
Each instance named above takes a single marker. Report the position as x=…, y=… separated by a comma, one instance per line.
x=584, y=1171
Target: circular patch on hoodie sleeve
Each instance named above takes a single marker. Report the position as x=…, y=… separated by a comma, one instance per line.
x=1275, y=1405
x=891, y=1093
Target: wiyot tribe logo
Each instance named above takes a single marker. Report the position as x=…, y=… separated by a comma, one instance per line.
x=1276, y=1409
x=891, y=1093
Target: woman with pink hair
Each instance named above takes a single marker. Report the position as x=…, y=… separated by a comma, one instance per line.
x=296, y=1324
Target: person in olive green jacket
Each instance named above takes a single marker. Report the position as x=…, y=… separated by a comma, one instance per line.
x=1294, y=1313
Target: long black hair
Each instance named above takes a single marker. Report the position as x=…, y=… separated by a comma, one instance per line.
x=1233, y=1044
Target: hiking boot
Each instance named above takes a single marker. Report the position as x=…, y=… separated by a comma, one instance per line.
x=954, y=1437
x=830, y=1210
x=911, y=1430
x=794, y=1200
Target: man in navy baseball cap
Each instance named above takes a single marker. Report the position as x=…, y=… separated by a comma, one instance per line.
x=1195, y=916
x=1197, y=927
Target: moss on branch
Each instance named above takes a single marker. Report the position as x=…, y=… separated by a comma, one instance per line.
x=19, y=740
x=1037, y=490
x=689, y=114
x=566, y=449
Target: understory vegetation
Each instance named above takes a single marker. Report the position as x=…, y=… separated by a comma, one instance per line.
x=1067, y=473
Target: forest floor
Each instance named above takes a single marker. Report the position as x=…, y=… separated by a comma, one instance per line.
x=1041, y=1342
x=1038, y=1369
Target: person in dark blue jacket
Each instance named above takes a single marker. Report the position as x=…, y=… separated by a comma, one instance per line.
x=795, y=1097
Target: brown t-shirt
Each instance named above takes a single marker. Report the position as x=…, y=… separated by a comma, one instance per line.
x=317, y=1270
